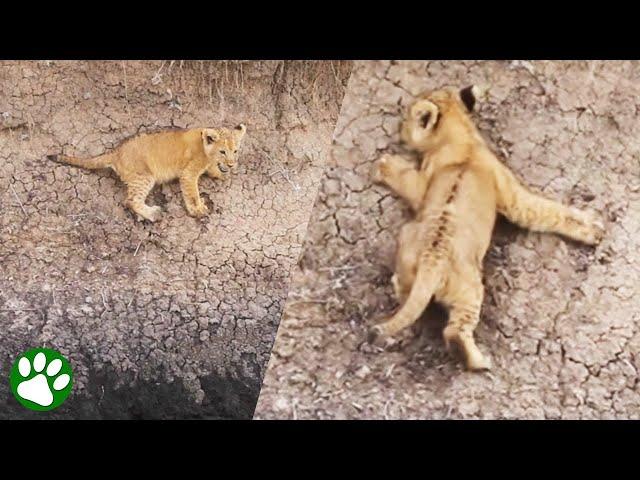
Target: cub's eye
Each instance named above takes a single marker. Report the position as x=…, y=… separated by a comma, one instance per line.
x=235, y=151
x=209, y=139
x=424, y=120
x=223, y=152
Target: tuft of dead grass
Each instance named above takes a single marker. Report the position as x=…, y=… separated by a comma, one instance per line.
x=217, y=77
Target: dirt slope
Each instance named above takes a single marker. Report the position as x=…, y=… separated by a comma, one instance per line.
x=173, y=319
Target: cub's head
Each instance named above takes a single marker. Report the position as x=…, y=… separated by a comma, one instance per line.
x=222, y=145
x=439, y=116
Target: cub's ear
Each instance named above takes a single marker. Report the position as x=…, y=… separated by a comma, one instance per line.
x=240, y=130
x=468, y=97
x=473, y=94
x=209, y=136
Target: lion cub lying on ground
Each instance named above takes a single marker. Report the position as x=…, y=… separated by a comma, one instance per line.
x=456, y=193
x=148, y=159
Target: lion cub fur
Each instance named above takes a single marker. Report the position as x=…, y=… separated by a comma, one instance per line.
x=456, y=193
x=154, y=158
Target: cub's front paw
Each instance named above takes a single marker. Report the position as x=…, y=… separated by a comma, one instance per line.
x=382, y=169
x=154, y=214
x=149, y=214
x=198, y=210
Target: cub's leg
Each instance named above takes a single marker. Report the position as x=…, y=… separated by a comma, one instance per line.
x=191, y=194
x=400, y=289
x=401, y=176
x=464, y=315
x=138, y=189
x=410, y=245
x=540, y=214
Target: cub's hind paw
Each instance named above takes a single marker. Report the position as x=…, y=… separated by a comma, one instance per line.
x=474, y=359
x=590, y=229
x=596, y=228
x=378, y=336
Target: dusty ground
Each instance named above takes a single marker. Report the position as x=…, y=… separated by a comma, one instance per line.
x=168, y=320
x=560, y=321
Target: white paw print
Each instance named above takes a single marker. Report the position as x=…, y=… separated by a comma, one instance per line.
x=37, y=389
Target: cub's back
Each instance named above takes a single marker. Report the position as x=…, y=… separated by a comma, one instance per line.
x=464, y=197
x=163, y=153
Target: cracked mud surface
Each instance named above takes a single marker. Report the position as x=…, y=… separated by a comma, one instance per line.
x=168, y=320
x=560, y=321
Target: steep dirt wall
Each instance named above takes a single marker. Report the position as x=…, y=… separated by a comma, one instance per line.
x=176, y=318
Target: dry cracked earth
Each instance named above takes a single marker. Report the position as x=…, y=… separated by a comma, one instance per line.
x=168, y=320
x=560, y=321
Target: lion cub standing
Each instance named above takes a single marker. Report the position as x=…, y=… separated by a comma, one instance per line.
x=455, y=194
x=148, y=159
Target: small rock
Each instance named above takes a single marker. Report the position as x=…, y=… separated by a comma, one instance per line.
x=363, y=372
x=469, y=408
x=298, y=377
x=281, y=404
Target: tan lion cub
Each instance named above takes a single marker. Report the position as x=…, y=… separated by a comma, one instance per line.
x=456, y=193
x=148, y=159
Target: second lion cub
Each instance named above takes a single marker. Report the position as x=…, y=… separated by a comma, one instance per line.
x=153, y=158
x=456, y=194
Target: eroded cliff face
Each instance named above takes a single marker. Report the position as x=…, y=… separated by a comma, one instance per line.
x=560, y=321
x=167, y=320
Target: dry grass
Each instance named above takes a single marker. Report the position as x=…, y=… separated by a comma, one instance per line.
x=219, y=76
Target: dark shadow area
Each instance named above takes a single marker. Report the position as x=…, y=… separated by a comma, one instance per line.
x=225, y=398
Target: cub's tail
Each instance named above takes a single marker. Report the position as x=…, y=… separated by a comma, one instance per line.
x=430, y=271
x=101, y=161
x=428, y=277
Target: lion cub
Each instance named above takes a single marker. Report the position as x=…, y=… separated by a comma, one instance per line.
x=456, y=193
x=148, y=159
